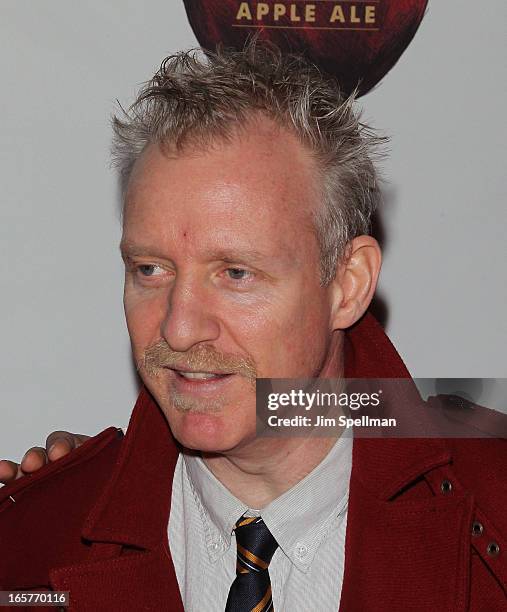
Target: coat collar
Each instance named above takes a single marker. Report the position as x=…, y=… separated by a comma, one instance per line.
x=134, y=507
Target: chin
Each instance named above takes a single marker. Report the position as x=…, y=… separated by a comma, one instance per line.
x=212, y=417
x=207, y=432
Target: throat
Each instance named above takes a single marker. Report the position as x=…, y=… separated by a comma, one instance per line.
x=259, y=475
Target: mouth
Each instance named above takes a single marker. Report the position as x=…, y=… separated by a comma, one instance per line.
x=201, y=376
x=201, y=383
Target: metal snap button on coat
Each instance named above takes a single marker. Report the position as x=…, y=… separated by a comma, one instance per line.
x=446, y=486
x=493, y=549
x=477, y=528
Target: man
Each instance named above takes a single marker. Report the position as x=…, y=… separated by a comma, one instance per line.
x=249, y=188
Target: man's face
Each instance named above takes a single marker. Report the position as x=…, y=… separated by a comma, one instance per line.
x=222, y=279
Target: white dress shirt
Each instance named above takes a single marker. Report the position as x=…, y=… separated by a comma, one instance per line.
x=308, y=521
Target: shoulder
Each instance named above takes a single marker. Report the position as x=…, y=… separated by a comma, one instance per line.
x=41, y=515
x=478, y=445
x=477, y=435
x=468, y=418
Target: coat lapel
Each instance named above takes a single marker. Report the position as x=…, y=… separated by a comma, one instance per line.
x=406, y=549
x=130, y=566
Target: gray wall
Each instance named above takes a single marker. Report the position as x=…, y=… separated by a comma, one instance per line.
x=65, y=359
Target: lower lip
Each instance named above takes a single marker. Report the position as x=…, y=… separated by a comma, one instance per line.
x=200, y=385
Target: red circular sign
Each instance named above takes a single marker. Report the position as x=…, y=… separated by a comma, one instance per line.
x=358, y=41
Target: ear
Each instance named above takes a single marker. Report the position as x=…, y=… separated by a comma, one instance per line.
x=355, y=282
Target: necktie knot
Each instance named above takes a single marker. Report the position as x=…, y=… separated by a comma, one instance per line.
x=255, y=543
x=251, y=590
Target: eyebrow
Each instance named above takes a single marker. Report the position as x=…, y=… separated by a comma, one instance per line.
x=128, y=249
x=237, y=255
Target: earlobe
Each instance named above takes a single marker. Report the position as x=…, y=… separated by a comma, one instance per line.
x=355, y=282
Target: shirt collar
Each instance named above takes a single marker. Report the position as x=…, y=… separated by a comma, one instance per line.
x=218, y=507
x=299, y=519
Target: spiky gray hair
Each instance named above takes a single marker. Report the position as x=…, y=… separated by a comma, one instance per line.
x=200, y=94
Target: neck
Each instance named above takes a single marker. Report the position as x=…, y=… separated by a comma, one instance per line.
x=265, y=468
x=258, y=481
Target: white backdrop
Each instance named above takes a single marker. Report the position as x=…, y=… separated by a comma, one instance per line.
x=65, y=360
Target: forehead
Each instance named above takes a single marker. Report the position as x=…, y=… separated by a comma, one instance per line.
x=257, y=189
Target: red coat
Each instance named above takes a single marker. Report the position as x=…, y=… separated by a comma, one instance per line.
x=95, y=522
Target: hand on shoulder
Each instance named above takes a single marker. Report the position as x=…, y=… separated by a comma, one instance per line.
x=58, y=444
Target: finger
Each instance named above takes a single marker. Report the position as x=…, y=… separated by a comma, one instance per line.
x=59, y=448
x=8, y=471
x=34, y=459
x=79, y=439
x=60, y=443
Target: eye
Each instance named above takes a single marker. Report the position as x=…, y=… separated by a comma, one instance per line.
x=149, y=270
x=238, y=274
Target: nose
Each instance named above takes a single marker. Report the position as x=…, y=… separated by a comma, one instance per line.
x=189, y=319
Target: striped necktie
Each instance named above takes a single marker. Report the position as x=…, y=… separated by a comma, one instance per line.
x=251, y=589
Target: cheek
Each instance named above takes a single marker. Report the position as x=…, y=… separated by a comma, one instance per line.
x=313, y=340
x=302, y=350
x=144, y=316
x=286, y=340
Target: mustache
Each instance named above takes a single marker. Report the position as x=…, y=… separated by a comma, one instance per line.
x=200, y=358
